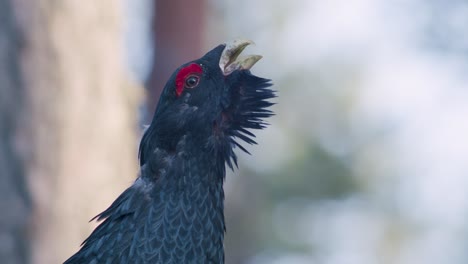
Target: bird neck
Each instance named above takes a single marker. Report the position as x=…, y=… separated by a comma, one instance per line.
x=188, y=184
x=189, y=160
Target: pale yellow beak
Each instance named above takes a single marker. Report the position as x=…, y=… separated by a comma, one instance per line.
x=230, y=61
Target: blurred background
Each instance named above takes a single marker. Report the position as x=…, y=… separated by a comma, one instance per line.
x=365, y=162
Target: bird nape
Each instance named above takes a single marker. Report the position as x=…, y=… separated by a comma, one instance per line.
x=174, y=211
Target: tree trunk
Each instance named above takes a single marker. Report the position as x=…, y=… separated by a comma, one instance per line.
x=14, y=198
x=82, y=120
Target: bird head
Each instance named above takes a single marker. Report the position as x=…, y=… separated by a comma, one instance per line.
x=212, y=101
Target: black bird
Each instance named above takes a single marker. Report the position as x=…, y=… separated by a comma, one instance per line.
x=174, y=211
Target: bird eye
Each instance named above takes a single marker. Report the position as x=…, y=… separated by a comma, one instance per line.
x=192, y=81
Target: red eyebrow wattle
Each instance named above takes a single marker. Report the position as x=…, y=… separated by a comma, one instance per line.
x=183, y=73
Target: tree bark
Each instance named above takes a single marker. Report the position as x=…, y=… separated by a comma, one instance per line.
x=14, y=197
x=82, y=120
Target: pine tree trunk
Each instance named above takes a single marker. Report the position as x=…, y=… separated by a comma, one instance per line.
x=14, y=197
x=81, y=120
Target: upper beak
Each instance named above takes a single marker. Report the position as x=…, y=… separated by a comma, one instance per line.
x=229, y=61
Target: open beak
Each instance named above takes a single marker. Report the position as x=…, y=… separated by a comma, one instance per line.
x=230, y=61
